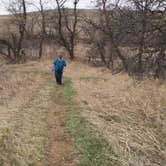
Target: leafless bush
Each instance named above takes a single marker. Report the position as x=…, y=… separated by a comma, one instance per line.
x=141, y=25
x=13, y=42
x=67, y=26
x=97, y=41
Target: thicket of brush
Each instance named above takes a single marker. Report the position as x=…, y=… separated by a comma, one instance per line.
x=134, y=35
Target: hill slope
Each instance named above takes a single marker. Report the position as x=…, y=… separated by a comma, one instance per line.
x=127, y=114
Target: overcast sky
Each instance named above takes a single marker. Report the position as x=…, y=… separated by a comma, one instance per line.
x=82, y=4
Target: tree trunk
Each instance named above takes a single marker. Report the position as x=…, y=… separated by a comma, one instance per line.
x=101, y=50
x=71, y=53
x=22, y=29
x=41, y=48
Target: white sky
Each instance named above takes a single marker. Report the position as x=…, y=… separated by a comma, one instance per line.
x=82, y=3
x=85, y=4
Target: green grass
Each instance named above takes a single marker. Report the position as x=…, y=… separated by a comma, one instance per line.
x=85, y=78
x=92, y=148
x=112, y=118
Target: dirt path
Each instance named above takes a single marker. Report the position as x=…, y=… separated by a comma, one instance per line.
x=32, y=126
x=129, y=114
x=60, y=141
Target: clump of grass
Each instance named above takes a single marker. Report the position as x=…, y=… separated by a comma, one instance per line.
x=112, y=118
x=7, y=149
x=93, y=149
x=84, y=78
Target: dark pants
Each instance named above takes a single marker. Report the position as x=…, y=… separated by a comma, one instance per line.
x=58, y=76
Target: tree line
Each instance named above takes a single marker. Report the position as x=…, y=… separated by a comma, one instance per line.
x=128, y=35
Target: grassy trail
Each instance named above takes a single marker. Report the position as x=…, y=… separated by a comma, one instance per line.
x=48, y=130
x=36, y=136
x=87, y=122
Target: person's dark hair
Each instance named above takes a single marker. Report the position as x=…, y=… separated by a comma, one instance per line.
x=60, y=56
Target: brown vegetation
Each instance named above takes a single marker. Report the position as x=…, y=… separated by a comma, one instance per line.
x=129, y=113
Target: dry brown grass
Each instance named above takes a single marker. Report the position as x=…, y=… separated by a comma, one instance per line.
x=22, y=115
x=32, y=123
x=23, y=141
x=131, y=114
x=12, y=83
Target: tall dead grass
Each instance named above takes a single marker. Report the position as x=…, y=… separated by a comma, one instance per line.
x=131, y=114
x=140, y=134
x=13, y=82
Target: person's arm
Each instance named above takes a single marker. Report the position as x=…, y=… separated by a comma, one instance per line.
x=55, y=63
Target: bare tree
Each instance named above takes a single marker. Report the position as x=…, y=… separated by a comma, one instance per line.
x=97, y=42
x=42, y=25
x=20, y=19
x=15, y=37
x=104, y=24
x=67, y=25
x=140, y=27
x=147, y=18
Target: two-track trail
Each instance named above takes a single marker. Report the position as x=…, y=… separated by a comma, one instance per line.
x=115, y=110
x=32, y=132
x=60, y=141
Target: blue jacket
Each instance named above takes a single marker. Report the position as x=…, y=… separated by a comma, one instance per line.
x=59, y=65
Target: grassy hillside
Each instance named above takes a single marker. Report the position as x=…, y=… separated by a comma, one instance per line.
x=102, y=119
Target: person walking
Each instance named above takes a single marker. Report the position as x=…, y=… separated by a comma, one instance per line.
x=59, y=65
